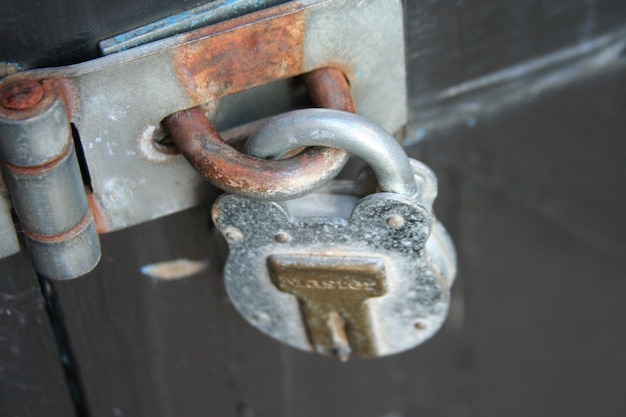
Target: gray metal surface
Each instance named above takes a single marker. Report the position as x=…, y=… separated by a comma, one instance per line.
x=324, y=127
x=49, y=202
x=117, y=108
x=69, y=258
x=35, y=140
x=44, y=180
x=203, y=15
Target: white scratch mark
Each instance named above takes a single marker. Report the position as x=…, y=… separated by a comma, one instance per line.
x=116, y=114
x=176, y=269
x=110, y=151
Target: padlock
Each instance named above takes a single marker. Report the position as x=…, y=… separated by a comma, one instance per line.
x=355, y=269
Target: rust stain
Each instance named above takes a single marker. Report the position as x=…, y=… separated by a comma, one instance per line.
x=245, y=20
x=17, y=104
x=20, y=111
x=234, y=171
x=21, y=94
x=99, y=215
x=66, y=89
x=62, y=237
x=329, y=88
x=263, y=48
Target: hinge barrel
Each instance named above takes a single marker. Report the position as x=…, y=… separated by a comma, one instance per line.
x=43, y=178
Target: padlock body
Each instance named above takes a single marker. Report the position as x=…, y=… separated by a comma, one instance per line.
x=338, y=273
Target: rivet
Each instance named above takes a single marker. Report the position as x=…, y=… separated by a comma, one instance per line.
x=282, y=237
x=421, y=325
x=233, y=235
x=22, y=94
x=395, y=221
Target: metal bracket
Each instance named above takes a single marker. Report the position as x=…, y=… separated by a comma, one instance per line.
x=239, y=69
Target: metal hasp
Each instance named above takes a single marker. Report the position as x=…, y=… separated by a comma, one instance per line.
x=44, y=180
x=346, y=271
x=116, y=104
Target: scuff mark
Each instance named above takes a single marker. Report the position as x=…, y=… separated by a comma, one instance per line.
x=147, y=146
x=176, y=269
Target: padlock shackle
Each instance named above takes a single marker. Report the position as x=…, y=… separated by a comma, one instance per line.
x=337, y=129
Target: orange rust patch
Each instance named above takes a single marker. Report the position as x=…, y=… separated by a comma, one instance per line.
x=52, y=89
x=231, y=170
x=329, y=88
x=22, y=94
x=245, y=20
x=242, y=57
x=99, y=217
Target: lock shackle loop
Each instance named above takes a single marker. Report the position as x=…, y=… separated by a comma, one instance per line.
x=259, y=179
x=355, y=134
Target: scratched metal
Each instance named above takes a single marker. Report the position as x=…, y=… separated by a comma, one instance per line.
x=417, y=253
x=117, y=102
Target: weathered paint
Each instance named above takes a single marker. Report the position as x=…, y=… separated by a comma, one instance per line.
x=176, y=269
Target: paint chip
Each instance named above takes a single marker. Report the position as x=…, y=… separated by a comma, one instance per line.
x=176, y=269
